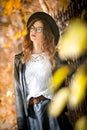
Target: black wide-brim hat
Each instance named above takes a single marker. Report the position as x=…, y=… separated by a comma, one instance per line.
x=49, y=20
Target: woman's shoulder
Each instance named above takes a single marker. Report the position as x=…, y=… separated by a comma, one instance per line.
x=19, y=55
x=18, y=58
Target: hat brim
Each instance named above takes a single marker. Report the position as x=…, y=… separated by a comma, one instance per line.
x=49, y=20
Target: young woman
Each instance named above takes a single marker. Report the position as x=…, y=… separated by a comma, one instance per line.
x=33, y=69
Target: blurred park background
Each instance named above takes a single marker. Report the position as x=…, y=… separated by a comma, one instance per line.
x=71, y=17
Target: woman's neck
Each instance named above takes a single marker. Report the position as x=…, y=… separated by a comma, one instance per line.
x=37, y=49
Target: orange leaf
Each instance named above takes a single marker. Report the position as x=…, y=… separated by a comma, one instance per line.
x=24, y=32
x=7, y=45
x=8, y=7
x=16, y=4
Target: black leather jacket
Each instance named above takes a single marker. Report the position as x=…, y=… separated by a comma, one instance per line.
x=20, y=93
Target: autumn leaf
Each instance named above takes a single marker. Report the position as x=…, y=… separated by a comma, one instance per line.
x=59, y=77
x=78, y=86
x=73, y=43
x=7, y=45
x=18, y=35
x=81, y=123
x=8, y=7
x=59, y=102
x=24, y=32
x=16, y=4
x=21, y=33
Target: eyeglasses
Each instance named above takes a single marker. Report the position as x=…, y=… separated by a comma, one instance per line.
x=36, y=29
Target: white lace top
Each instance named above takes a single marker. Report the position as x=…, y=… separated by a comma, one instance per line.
x=37, y=73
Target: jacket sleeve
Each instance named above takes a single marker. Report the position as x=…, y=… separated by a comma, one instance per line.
x=18, y=96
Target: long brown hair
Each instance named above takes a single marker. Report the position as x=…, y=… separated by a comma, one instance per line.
x=48, y=46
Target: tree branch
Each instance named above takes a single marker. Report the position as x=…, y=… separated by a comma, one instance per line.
x=51, y=9
x=44, y=6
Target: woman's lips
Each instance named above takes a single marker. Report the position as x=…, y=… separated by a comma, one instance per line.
x=33, y=35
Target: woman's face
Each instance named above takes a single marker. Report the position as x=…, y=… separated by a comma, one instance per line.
x=36, y=32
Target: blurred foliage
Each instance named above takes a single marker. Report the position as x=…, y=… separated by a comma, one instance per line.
x=58, y=77
x=78, y=86
x=81, y=124
x=13, y=18
x=59, y=102
x=72, y=46
x=7, y=104
x=73, y=43
x=10, y=6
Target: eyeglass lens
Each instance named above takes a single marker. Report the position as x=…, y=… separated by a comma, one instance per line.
x=36, y=29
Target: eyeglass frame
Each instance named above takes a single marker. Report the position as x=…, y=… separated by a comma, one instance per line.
x=36, y=29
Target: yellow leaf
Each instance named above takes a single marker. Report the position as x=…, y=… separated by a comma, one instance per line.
x=73, y=43
x=59, y=102
x=24, y=32
x=78, y=87
x=18, y=35
x=58, y=77
x=7, y=45
x=21, y=33
x=81, y=123
x=8, y=7
x=17, y=4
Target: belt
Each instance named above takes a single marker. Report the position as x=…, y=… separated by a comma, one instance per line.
x=36, y=100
